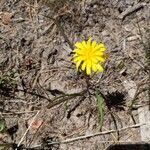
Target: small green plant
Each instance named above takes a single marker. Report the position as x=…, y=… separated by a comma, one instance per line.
x=2, y=126
x=100, y=107
x=89, y=57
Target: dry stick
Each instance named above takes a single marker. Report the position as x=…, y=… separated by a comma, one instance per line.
x=131, y=10
x=48, y=29
x=133, y=101
x=36, y=79
x=28, y=129
x=18, y=113
x=35, y=94
x=35, y=134
x=135, y=97
x=115, y=123
x=63, y=33
x=60, y=28
x=96, y=134
x=113, y=136
x=92, y=135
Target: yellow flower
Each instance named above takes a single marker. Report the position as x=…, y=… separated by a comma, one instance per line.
x=89, y=56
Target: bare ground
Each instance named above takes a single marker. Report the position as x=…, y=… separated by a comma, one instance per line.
x=38, y=80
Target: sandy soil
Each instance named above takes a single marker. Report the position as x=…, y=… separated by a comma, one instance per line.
x=39, y=82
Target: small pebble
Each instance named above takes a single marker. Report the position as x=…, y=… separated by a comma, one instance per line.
x=132, y=38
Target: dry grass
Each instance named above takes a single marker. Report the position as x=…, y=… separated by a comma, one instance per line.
x=37, y=75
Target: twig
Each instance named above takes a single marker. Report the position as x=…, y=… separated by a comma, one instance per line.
x=48, y=29
x=35, y=135
x=60, y=28
x=33, y=93
x=115, y=123
x=131, y=10
x=36, y=79
x=139, y=63
x=92, y=135
x=18, y=113
x=135, y=97
x=96, y=134
x=28, y=129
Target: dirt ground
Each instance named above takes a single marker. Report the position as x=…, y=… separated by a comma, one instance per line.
x=43, y=99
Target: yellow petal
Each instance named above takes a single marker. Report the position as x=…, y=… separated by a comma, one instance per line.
x=94, y=43
x=100, y=47
x=98, y=53
x=101, y=59
x=75, y=55
x=78, y=45
x=78, y=58
x=99, y=68
x=75, y=50
x=84, y=44
x=94, y=67
x=88, y=68
x=89, y=43
x=83, y=66
x=78, y=64
x=94, y=60
x=79, y=51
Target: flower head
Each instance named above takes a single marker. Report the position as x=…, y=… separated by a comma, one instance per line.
x=89, y=56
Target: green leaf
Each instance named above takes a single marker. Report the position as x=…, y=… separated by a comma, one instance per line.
x=2, y=125
x=100, y=106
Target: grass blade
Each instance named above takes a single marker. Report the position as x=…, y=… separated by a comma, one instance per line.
x=100, y=107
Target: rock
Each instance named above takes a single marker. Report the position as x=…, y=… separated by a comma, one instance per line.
x=133, y=38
